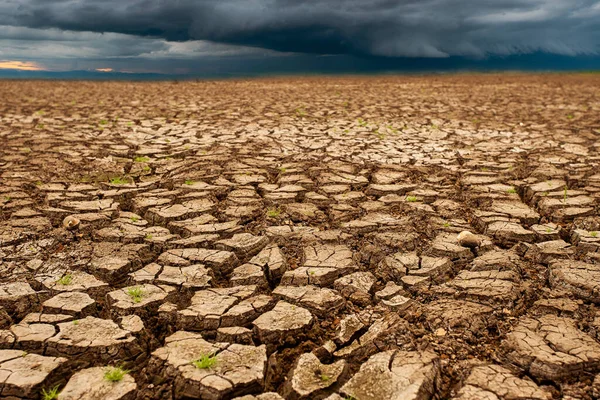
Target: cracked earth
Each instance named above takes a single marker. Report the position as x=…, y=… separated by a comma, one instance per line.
x=299, y=238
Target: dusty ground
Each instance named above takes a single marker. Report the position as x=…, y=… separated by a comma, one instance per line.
x=298, y=237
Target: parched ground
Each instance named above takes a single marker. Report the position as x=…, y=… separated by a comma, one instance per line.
x=297, y=238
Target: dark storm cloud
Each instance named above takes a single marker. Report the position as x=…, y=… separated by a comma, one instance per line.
x=405, y=28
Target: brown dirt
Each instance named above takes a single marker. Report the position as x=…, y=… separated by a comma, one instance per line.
x=196, y=200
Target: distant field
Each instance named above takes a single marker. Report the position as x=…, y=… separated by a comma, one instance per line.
x=218, y=239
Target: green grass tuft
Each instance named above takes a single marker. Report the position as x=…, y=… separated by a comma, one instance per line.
x=205, y=361
x=594, y=234
x=50, y=394
x=65, y=280
x=141, y=159
x=412, y=199
x=115, y=374
x=512, y=190
x=273, y=213
x=136, y=294
x=189, y=182
x=119, y=181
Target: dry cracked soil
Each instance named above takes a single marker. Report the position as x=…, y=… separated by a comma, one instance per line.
x=297, y=238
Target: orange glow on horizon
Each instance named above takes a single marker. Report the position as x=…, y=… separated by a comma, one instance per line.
x=22, y=65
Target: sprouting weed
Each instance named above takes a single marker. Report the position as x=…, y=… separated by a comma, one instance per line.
x=282, y=170
x=570, y=116
x=565, y=195
x=146, y=168
x=548, y=230
x=512, y=190
x=273, y=213
x=411, y=199
x=189, y=182
x=205, y=361
x=65, y=280
x=136, y=294
x=446, y=224
x=50, y=394
x=594, y=234
x=485, y=169
x=119, y=181
x=134, y=219
x=325, y=377
x=115, y=374
x=75, y=322
x=103, y=122
x=141, y=159
x=148, y=236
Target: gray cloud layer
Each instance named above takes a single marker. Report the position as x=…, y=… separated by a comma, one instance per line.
x=401, y=28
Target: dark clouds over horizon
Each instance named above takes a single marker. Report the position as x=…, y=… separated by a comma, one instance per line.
x=80, y=31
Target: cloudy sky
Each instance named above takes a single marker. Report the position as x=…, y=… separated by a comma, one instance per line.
x=193, y=36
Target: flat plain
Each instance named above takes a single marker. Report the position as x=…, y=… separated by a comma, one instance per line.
x=297, y=238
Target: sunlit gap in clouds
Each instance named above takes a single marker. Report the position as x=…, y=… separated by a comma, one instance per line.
x=22, y=65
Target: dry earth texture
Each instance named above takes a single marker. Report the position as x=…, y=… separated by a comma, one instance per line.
x=297, y=239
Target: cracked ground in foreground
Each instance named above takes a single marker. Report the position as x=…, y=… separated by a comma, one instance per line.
x=297, y=238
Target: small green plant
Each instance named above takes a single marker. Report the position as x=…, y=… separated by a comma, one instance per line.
x=548, y=230
x=434, y=126
x=205, y=361
x=325, y=377
x=38, y=183
x=50, y=394
x=115, y=374
x=411, y=199
x=570, y=116
x=545, y=194
x=136, y=294
x=189, y=182
x=75, y=322
x=119, y=181
x=300, y=112
x=594, y=234
x=282, y=170
x=7, y=198
x=146, y=168
x=65, y=280
x=273, y=213
x=141, y=159
x=362, y=122
x=103, y=122
x=512, y=190
x=485, y=169
x=565, y=195
x=446, y=224
x=134, y=219
x=148, y=236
